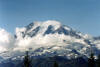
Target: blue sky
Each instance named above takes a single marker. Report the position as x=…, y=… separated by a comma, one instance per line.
x=83, y=15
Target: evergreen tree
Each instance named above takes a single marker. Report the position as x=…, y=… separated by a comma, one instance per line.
x=56, y=64
x=91, y=61
x=98, y=61
x=27, y=61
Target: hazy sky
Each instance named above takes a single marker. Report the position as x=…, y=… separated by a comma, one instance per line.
x=83, y=15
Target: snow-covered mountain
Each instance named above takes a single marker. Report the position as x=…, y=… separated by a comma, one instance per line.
x=51, y=38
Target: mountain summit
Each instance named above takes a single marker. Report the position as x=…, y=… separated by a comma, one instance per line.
x=48, y=27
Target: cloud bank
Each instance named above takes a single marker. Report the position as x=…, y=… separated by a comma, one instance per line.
x=6, y=40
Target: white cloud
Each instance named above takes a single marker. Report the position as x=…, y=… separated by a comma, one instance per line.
x=6, y=40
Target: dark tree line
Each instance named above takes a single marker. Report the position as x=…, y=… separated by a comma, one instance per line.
x=98, y=61
x=56, y=64
x=92, y=62
x=28, y=61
